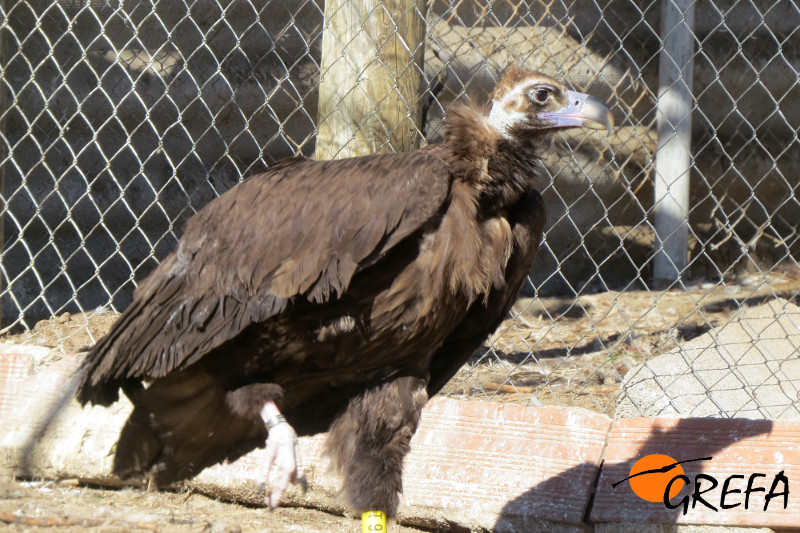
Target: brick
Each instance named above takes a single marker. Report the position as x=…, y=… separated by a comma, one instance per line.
x=737, y=446
x=43, y=430
x=473, y=464
x=508, y=462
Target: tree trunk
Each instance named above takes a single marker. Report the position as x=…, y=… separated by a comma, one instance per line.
x=371, y=77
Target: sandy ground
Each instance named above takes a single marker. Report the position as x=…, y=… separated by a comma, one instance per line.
x=65, y=507
x=570, y=352
x=575, y=352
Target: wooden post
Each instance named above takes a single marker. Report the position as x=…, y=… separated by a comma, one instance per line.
x=674, y=153
x=371, y=77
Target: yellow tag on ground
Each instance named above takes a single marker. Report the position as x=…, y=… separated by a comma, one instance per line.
x=373, y=521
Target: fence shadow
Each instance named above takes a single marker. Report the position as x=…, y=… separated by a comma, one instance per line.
x=45, y=416
x=664, y=442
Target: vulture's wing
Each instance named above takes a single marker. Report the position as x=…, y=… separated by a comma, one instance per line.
x=302, y=229
x=527, y=223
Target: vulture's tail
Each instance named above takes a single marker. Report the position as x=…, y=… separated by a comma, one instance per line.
x=181, y=424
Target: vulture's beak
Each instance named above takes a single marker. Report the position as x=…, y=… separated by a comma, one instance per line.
x=582, y=111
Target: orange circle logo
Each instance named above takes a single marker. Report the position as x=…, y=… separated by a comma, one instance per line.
x=650, y=475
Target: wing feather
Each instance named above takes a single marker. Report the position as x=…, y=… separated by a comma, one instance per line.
x=484, y=316
x=301, y=229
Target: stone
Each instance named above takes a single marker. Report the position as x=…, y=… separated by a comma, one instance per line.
x=747, y=368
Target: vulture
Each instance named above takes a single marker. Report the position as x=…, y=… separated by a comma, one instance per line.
x=333, y=296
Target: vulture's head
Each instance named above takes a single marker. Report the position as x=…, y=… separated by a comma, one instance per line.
x=526, y=104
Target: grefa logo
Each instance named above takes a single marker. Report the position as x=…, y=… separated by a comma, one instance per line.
x=660, y=478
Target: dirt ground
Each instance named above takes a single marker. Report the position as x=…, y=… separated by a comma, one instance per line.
x=64, y=507
x=570, y=352
x=575, y=352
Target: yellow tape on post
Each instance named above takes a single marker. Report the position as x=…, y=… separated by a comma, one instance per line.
x=373, y=521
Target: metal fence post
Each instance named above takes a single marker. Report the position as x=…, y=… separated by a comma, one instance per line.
x=674, y=155
x=5, y=151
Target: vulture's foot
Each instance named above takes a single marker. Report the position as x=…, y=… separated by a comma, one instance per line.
x=283, y=452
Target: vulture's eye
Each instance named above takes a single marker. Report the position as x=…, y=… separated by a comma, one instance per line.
x=540, y=94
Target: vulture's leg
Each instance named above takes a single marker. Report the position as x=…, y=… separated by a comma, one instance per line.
x=369, y=440
x=283, y=452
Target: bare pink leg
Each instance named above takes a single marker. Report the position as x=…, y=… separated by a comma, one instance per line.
x=283, y=452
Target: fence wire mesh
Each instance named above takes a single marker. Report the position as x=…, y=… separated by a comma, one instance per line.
x=120, y=119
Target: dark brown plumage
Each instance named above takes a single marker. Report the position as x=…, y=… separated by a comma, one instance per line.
x=347, y=292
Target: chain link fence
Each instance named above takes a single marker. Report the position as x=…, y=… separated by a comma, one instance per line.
x=120, y=119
